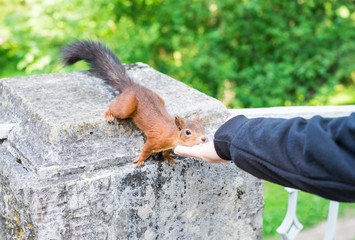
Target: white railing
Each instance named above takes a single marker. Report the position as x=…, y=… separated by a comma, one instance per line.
x=297, y=111
x=290, y=226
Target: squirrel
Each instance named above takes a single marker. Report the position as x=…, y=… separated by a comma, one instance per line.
x=135, y=101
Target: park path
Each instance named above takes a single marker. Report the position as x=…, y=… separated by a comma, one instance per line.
x=345, y=230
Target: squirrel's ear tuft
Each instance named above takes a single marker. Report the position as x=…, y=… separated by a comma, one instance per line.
x=179, y=122
x=197, y=117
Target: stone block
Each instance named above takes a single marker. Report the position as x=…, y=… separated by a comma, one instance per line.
x=67, y=174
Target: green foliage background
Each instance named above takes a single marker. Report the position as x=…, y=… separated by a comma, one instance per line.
x=248, y=53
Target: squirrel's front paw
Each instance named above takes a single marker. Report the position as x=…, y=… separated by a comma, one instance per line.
x=139, y=163
x=169, y=158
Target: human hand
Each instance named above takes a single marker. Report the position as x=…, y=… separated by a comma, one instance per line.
x=205, y=151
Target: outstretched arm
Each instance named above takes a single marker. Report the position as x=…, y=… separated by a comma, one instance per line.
x=316, y=156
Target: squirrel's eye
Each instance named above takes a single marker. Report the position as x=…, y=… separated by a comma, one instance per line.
x=188, y=132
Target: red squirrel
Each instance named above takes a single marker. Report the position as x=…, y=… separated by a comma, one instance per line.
x=144, y=106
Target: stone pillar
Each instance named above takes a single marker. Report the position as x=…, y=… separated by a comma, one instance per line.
x=67, y=174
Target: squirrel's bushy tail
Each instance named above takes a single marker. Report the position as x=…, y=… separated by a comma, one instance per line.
x=105, y=63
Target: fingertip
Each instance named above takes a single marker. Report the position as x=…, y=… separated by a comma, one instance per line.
x=182, y=150
x=177, y=150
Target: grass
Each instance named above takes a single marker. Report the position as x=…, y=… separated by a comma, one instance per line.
x=311, y=209
x=341, y=95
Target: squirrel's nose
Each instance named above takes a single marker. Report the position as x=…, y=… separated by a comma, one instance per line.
x=203, y=139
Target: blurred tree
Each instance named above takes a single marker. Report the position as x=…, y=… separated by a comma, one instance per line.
x=248, y=53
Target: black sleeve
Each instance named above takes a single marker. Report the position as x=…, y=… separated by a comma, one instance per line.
x=315, y=156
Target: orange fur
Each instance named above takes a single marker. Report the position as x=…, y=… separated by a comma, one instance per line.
x=147, y=110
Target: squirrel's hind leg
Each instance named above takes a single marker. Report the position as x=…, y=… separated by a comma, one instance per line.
x=124, y=106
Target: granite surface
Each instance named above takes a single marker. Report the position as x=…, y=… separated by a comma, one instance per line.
x=67, y=174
